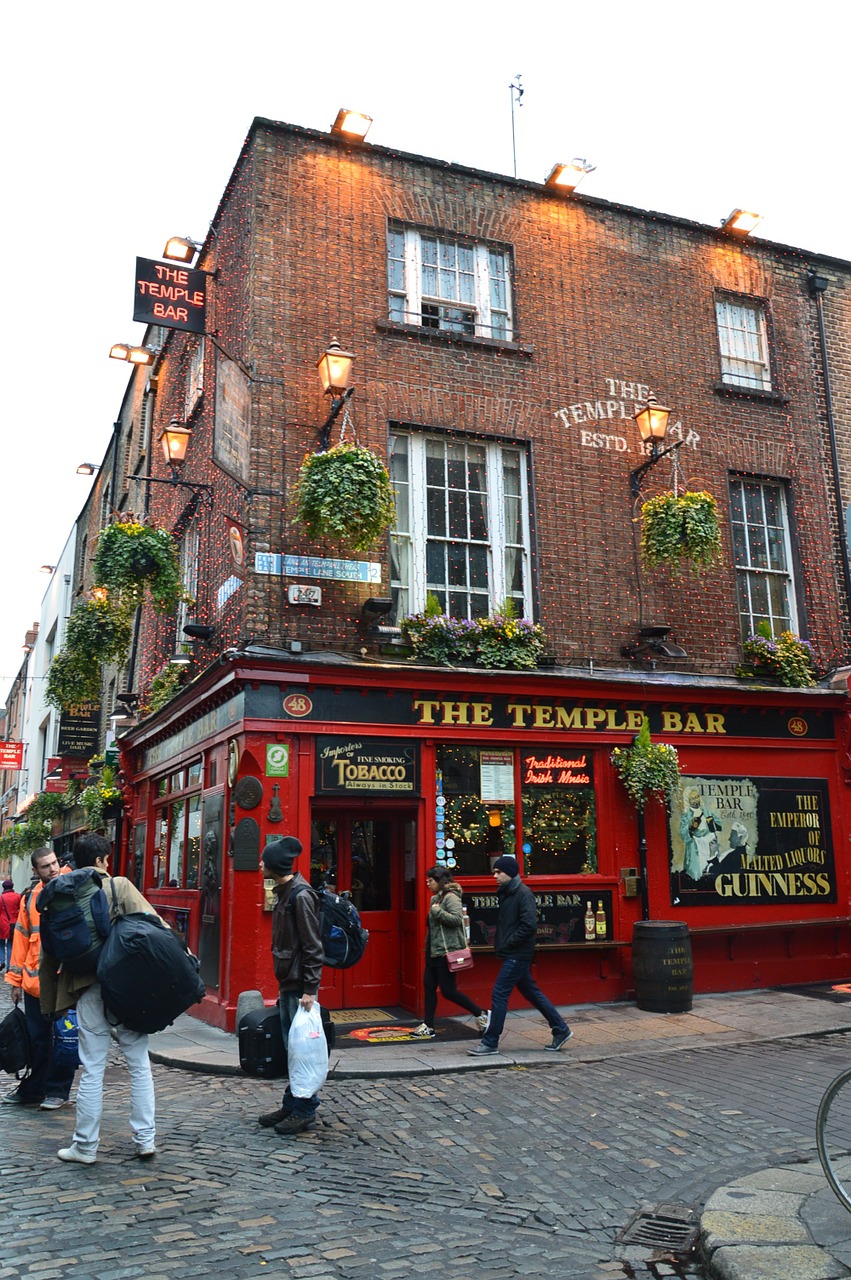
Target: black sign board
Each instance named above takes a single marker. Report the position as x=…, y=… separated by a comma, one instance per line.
x=552, y=720
x=745, y=842
x=170, y=295
x=561, y=916
x=79, y=731
x=366, y=766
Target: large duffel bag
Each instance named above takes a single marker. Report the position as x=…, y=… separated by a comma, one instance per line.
x=147, y=975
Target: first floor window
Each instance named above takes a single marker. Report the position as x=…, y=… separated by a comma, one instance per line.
x=762, y=551
x=440, y=282
x=462, y=529
x=743, y=342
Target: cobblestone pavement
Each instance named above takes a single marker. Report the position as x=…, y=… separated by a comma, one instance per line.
x=492, y=1175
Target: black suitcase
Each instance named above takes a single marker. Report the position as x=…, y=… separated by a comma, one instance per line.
x=262, y=1051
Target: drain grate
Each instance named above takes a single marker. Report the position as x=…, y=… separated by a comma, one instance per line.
x=668, y=1226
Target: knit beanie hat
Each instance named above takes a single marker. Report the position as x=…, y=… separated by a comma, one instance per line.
x=279, y=855
x=7, y=885
x=507, y=864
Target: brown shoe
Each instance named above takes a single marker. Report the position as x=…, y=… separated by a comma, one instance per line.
x=272, y=1118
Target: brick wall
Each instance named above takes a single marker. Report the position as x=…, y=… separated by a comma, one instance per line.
x=606, y=298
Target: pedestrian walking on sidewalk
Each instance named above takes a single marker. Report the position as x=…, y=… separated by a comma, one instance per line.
x=516, y=927
x=444, y=932
x=61, y=990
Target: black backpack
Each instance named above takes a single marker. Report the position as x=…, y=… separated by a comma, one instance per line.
x=344, y=938
x=15, y=1050
x=74, y=919
x=147, y=975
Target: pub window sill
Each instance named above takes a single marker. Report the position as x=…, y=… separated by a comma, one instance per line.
x=749, y=393
x=446, y=338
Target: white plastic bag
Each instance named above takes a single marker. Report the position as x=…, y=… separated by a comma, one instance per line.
x=307, y=1053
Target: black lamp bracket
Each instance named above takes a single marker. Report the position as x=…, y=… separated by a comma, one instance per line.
x=336, y=406
x=205, y=489
x=637, y=475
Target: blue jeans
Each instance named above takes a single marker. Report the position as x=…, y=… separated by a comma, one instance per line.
x=517, y=973
x=44, y=1081
x=288, y=1002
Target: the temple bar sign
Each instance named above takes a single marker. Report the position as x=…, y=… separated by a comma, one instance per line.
x=170, y=295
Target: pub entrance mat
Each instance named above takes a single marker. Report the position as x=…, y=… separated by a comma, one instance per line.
x=835, y=992
x=357, y=1027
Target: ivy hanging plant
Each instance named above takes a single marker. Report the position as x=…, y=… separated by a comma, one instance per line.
x=99, y=632
x=647, y=769
x=345, y=494
x=164, y=686
x=679, y=529
x=132, y=557
x=788, y=659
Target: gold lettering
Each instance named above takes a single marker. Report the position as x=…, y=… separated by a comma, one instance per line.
x=426, y=709
x=634, y=720
x=612, y=719
x=714, y=722
x=482, y=713
x=568, y=719
x=456, y=712
x=543, y=717
x=693, y=724
x=518, y=711
x=672, y=722
x=594, y=716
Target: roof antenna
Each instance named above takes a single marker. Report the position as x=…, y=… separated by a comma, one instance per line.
x=516, y=90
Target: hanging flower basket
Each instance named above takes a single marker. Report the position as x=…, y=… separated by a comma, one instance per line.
x=679, y=529
x=345, y=495
x=132, y=557
x=501, y=641
x=103, y=800
x=99, y=632
x=647, y=769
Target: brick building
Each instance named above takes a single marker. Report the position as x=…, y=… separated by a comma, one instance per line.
x=504, y=334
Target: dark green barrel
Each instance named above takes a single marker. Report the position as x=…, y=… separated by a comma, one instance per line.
x=662, y=966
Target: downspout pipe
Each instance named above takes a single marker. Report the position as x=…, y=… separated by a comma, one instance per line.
x=818, y=286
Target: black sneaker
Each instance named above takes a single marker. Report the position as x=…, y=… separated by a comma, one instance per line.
x=559, y=1038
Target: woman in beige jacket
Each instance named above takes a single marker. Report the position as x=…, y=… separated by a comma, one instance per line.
x=444, y=932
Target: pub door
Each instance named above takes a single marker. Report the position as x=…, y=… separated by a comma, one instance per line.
x=375, y=859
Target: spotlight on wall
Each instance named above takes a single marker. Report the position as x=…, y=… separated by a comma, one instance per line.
x=180, y=660
x=377, y=607
x=567, y=177
x=198, y=631
x=87, y=468
x=46, y=568
x=741, y=222
x=135, y=355
x=180, y=248
x=353, y=125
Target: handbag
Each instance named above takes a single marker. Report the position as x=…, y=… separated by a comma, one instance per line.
x=460, y=959
x=66, y=1048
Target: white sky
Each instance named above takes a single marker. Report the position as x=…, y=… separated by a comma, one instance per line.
x=121, y=124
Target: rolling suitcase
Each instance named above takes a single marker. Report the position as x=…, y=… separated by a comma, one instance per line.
x=262, y=1051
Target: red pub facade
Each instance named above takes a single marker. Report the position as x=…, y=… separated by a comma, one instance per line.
x=504, y=336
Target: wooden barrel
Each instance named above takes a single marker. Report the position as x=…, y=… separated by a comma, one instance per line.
x=662, y=967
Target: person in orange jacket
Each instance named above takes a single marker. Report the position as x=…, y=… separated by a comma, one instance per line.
x=45, y=1086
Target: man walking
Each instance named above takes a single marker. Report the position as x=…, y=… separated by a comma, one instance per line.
x=297, y=954
x=516, y=926
x=46, y=1086
x=60, y=990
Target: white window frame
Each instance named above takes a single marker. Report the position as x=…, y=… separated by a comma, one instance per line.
x=411, y=543
x=747, y=571
x=406, y=298
x=194, y=379
x=743, y=342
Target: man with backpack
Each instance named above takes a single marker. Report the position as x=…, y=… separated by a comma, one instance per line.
x=61, y=988
x=46, y=1086
x=297, y=955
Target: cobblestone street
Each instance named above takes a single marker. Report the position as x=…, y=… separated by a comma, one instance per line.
x=493, y=1174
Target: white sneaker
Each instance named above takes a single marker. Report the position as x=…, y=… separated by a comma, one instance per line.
x=483, y=1021
x=423, y=1032
x=74, y=1155
x=53, y=1104
x=145, y=1153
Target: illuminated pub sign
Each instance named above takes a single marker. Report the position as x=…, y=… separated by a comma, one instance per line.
x=369, y=766
x=170, y=295
x=751, y=842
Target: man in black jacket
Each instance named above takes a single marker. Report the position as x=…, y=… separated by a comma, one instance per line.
x=516, y=926
x=297, y=955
